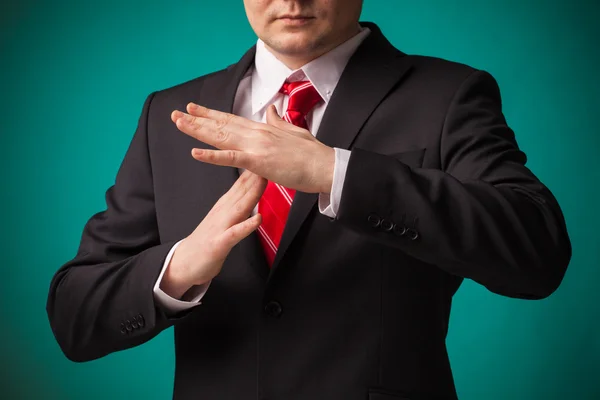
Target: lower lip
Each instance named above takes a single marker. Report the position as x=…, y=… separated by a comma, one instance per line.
x=296, y=21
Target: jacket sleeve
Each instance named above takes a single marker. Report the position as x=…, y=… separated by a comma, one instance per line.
x=102, y=300
x=483, y=215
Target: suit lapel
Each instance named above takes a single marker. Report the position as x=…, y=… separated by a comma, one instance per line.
x=218, y=93
x=374, y=69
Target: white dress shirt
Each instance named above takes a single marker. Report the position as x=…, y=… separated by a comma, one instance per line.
x=258, y=89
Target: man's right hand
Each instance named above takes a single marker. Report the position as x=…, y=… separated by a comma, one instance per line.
x=200, y=256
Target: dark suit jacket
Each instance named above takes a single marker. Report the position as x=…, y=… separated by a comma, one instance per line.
x=355, y=307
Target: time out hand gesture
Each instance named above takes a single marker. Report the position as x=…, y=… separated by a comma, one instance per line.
x=277, y=150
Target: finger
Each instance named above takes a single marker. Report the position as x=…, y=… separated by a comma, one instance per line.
x=273, y=117
x=247, y=185
x=218, y=116
x=208, y=131
x=257, y=187
x=236, y=233
x=246, y=197
x=284, y=123
x=251, y=193
x=225, y=158
x=223, y=134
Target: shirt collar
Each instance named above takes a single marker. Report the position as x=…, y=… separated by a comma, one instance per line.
x=324, y=72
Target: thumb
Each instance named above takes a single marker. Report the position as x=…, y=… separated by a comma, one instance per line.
x=272, y=117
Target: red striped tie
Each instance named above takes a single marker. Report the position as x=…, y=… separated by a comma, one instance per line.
x=275, y=203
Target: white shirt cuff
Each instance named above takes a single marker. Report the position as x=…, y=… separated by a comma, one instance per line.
x=170, y=304
x=329, y=204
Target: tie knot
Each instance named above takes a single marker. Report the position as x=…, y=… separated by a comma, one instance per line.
x=303, y=96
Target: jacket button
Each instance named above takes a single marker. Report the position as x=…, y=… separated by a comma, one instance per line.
x=386, y=225
x=128, y=326
x=273, y=309
x=399, y=230
x=140, y=320
x=412, y=234
x=123, y=330
x=374, y=220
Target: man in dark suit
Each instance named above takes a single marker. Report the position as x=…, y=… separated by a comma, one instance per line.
x=343, y=192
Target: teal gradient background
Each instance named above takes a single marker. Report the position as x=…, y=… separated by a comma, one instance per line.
x=74, y=75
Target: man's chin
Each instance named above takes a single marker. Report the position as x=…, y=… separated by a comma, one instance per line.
x=294, y=45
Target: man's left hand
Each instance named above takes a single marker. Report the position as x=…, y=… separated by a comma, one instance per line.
x=279, y=151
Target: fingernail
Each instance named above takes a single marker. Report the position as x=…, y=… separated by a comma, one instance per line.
x=193, y=106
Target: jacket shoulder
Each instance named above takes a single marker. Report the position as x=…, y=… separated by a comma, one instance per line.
x=435, y=67
x=438, y=78
x=185, y=90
